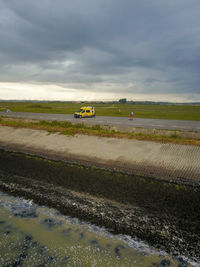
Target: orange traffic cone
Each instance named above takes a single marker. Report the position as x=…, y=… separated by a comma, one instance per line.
x=131, y=116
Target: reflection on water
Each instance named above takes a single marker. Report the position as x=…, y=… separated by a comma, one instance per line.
x=32, y=235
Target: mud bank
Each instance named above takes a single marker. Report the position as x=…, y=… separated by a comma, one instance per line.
x=164, y=214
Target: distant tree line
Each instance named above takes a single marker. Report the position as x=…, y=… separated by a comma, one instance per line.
x=122, y=101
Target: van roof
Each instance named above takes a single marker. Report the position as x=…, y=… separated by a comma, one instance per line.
x=87, y=107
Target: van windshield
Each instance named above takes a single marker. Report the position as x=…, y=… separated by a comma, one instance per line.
x=80, y=110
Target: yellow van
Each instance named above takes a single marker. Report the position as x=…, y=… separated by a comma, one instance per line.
x=85, y=112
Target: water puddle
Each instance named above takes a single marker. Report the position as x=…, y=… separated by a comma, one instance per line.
x=32, y=235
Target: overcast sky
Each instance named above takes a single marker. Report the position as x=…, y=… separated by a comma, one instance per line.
x=100, y=49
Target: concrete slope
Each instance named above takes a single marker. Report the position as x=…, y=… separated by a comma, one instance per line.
x=173, y=162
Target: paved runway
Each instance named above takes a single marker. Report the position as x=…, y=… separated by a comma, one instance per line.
x=121, y=122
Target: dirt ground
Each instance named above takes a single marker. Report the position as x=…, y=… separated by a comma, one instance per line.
x=164, y=214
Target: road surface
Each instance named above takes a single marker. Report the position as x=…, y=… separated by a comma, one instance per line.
x=120, y=122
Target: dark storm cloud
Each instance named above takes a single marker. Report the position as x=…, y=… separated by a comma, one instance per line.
x=155, y=45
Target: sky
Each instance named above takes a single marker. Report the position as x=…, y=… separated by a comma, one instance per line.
x=100, y=50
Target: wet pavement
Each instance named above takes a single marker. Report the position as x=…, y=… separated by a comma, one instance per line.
x=121, y=122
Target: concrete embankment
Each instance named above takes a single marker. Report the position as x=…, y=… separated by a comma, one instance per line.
x=179, y=163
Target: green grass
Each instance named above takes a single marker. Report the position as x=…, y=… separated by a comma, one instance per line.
x=67, y=128
x=171, y=112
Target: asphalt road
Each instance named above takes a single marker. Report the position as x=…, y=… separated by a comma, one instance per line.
x=120, y=122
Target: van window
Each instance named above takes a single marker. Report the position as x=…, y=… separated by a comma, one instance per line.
x=88, y=111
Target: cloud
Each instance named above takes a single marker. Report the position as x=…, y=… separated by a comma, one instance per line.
x=154, y=46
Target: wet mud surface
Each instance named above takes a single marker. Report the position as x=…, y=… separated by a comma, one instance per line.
x=32, y=235
x=166, y=215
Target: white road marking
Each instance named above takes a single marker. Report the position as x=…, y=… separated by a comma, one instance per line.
x=174, y=126
x=157, y=125
x=187, y=127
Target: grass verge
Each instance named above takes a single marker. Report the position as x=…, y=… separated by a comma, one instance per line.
x=67, y=128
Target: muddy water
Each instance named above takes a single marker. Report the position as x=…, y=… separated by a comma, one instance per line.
x=32, y=235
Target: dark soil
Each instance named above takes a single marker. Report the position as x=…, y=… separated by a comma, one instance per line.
x=166, y=215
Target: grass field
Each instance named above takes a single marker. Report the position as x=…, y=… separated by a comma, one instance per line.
x=172, y=112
